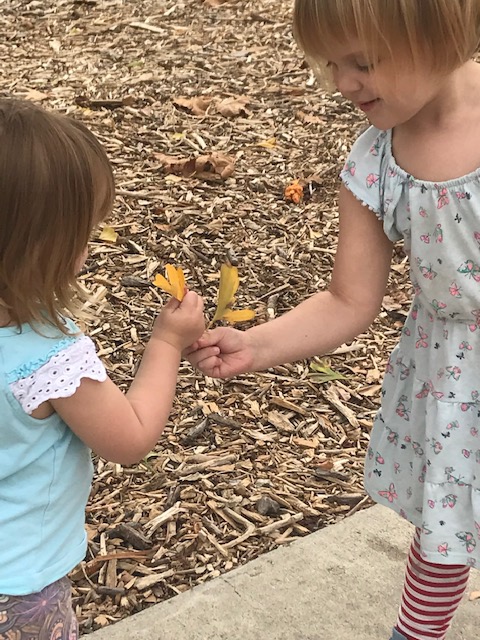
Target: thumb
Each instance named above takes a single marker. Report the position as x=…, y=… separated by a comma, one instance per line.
x=208, y=338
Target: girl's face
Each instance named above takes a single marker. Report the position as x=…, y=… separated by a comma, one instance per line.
x=389, y=92
x=97, y=218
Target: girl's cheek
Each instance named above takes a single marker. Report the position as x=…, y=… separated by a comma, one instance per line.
x=81, y=261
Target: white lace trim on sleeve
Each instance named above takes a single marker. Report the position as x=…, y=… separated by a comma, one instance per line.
x=61, y=376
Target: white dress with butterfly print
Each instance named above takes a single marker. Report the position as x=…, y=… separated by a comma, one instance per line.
x=424, y=454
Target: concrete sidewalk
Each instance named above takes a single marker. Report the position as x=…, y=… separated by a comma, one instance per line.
x=341, y=583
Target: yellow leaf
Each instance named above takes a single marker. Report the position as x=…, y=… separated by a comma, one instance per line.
x=108, y=234
x=229, y=282
x=240, y=315
x=174, y=284
x=226, y=292
x=270, y=143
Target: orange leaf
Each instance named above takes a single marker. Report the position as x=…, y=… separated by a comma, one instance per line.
x=181, y=283
x=294, y=192
x=163, y=284
x=174, y=284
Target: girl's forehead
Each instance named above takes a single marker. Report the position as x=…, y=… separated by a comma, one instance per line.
x=353, y=49
x=344, y=49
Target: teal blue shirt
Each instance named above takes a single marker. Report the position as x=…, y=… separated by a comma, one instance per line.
x=45, y=469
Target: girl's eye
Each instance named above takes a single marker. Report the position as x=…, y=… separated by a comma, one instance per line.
x=365, y=68
x=331, y=66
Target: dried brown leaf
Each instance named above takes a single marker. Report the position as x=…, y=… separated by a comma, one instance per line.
x=233, y=106
x=213, y=166
x=197, y=105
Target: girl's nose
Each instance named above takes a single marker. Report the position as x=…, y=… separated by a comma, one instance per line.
x=347, y=81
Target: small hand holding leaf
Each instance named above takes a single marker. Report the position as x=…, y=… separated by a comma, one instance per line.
x=229, y=282
x=174, y=283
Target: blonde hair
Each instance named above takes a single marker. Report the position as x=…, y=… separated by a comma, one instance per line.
x=56, y=183
x=441, y=33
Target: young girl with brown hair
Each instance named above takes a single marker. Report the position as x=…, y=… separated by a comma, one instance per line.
x=413, y=175
x=56, y=400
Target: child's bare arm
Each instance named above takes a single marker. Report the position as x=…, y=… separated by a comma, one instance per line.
x=324, y=321
x=125, y=427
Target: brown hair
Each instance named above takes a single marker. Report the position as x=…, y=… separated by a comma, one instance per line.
x=441, y=33
x=56, y=183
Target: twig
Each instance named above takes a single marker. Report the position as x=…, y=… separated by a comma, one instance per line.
x=286, y=521
x=147, y=27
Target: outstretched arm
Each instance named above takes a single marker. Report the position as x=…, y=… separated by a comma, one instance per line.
x=320, y=323
x=125, y=427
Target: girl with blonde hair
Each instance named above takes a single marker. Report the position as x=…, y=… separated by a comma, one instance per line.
x=413, y=175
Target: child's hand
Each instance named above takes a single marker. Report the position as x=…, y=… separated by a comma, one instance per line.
x=222, y=353
x=180, y=323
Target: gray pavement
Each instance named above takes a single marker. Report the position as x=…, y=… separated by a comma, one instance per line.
x=341, y=583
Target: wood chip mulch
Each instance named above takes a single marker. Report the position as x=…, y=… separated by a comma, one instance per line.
x=208, y=114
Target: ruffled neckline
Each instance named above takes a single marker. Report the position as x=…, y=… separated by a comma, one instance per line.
x=407, y=177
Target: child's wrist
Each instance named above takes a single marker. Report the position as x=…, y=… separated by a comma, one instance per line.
x=169, y=340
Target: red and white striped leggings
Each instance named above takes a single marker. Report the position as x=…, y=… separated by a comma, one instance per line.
x=431, y=595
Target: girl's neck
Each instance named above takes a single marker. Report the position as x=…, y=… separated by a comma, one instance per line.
x=442, y=141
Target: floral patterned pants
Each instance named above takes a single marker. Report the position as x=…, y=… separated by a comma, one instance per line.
x=46, y=615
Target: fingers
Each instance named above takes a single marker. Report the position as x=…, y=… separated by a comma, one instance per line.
x=191, y=297
x=192, y=300
x=190, y=350
x=172, y=305
x=210, y=338
x=210, y=365
x=200, y=355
